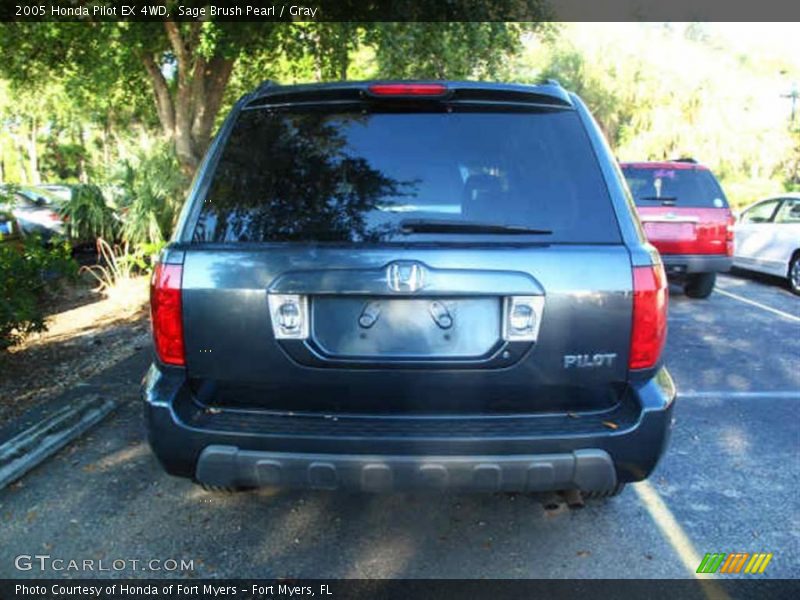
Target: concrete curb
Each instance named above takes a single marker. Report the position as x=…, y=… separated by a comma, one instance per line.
x=45, y=429
x=26, y=450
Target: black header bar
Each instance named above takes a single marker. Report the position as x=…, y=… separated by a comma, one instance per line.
x=400, y=10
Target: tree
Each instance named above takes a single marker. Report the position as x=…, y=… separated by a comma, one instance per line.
x=453, y=50
x=188, y=66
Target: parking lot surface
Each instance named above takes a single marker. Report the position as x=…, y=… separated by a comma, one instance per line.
x=728, y=483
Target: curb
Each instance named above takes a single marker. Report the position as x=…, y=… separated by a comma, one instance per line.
x=33, y=437
x=26, y=450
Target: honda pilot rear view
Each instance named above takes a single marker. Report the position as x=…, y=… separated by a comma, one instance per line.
x=393, y=285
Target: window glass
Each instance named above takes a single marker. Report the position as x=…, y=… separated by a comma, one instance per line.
x=789, y=211
x=317, y=176
x=695, y=188
x=760, y=213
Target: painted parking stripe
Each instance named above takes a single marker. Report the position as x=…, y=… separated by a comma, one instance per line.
x=711, y=394
x=677, y=538
x=780, y=313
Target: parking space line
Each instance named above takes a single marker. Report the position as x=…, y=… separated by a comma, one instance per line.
x=676, y=536
x=777, y=395
x=780, y=313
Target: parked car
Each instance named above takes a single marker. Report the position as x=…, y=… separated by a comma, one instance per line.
x=37, y=212
x=767, y=238
x=9, y=228
x=686, y=216
x=395, y=285
x=58, y=190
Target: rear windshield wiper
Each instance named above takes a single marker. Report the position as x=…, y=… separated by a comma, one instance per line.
x=455, y=226
x=665, y=199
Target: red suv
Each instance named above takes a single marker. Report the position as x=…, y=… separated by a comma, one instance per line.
x=686, y=216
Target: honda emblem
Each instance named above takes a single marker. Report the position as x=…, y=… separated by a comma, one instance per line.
x=405, y=276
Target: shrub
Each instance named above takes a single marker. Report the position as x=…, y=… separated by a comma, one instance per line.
x=152, y=192
x=118, y=266
x=88, y=215
x=28, y=275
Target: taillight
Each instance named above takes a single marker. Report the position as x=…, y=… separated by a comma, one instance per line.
x=729, y=235
x=649, y=316
x=166, y=313
x=407, y=89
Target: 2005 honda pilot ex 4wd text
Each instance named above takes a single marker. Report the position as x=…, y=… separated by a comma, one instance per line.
x=392, y=285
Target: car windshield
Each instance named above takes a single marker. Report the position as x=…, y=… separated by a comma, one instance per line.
x=35, y=198
x=344, y=177
x=695, y=188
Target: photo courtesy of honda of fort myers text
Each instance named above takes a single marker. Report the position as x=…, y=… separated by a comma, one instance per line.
x=393, y=299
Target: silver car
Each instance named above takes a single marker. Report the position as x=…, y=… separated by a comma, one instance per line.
x=767, y=238
x=36, y=212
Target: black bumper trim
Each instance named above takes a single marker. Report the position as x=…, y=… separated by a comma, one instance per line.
x=228, y=466
x=677, y=264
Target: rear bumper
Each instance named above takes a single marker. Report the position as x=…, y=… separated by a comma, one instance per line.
x=520, y=453
x=681, y=264
x=582, y=469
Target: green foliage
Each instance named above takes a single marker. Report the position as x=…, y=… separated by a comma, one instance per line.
x=28, y=275
x=449, y=50
x=660, y=92
x=88, y=216
x=108, y=73
x=152, y=192
x=82, y=94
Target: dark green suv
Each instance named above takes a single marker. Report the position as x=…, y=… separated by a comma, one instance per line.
x=387, y=285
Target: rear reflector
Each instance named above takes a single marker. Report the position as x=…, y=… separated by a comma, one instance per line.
x=649, y=316
x=729, y=246
x=166, y=314
x=407, y=89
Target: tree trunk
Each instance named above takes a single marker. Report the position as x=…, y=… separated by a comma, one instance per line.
x=33, y=154
x=106, y=136
x=187, y=113
x=82, y=176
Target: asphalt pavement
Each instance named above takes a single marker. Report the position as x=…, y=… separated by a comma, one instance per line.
x=728, y=483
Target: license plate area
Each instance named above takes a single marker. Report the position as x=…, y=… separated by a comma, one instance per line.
x=391, y=328
x=669, y=232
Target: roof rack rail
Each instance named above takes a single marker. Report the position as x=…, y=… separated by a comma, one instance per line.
x=265, y=85
x=549, y=81
x=685, y=159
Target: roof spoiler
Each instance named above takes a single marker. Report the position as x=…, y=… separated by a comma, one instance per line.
x=550, y=94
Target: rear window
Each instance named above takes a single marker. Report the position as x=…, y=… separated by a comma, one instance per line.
x=353, y=177
x=695, y=188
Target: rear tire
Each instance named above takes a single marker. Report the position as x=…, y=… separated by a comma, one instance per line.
x=595, y=495
x=700, y=285
x=794, y=274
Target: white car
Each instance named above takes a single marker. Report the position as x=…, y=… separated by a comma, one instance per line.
x=767, y=238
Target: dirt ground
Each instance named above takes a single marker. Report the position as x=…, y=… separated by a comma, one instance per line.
x=86, y=332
